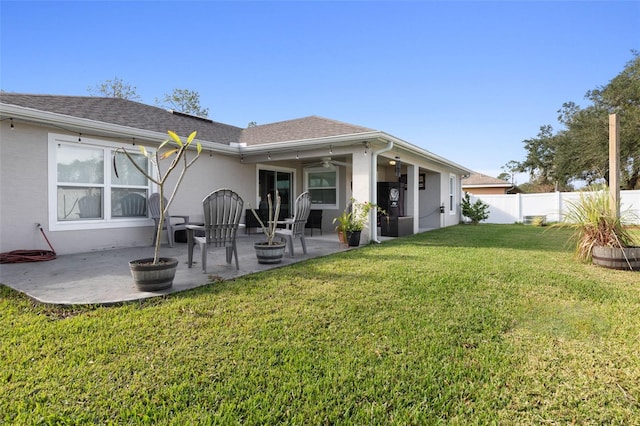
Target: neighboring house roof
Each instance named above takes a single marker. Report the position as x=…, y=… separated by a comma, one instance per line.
x=312, y=127
x=479, y=180
x=127, y=113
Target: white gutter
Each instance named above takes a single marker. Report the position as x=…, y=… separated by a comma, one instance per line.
x=289, y=146
x=373, y=220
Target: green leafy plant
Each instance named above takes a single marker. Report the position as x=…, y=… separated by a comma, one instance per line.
x=269, y=229
x=358, y=214
x=343, y=221
x=176, y=150
x=476, y=212
x=596, y=223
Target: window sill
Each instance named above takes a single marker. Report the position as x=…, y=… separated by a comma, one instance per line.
x=83, y=225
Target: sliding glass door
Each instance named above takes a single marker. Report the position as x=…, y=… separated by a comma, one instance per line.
x=270, y=181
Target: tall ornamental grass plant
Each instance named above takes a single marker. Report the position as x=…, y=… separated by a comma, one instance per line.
x=595, y=223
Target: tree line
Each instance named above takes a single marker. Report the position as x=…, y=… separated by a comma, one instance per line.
x=580, y=149
x=182, y=100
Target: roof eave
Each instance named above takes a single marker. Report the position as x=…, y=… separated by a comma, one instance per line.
x=283, y=146
x=93, y=127
x=424, y=153
x=87, y=126
x=338, y=140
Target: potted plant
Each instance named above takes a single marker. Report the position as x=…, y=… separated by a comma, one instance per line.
x=343, y=221
x=357, y=219
x=600, y=233
x=270, y=251
x=157, y=273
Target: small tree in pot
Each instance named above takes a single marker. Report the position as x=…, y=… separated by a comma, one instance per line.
x=270, y=251
x=161, y=270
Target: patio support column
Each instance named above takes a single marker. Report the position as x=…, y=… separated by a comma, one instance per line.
x=373, y=178
x=361, y=186
x=412, y=194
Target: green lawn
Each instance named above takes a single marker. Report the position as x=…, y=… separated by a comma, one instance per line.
x=487, y=324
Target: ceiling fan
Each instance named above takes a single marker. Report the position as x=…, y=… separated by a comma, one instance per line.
x=327, y=163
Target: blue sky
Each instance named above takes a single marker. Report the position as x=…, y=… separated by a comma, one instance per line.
x=466, y=80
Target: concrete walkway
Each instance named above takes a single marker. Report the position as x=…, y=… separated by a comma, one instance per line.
x=103, y=277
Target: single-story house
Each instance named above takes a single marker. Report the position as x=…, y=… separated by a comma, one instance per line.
x=55, y=150
x=479, y=184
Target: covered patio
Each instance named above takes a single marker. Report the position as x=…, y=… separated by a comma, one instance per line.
x=103, y=277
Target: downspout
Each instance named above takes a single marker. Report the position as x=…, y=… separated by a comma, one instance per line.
x=373, y=222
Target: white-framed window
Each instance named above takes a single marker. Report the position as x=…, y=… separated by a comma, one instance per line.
x=452, y=194
x=322, y=184
x=84, y=191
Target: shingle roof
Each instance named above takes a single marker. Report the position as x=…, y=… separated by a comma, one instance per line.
x=126, y=113
x=311, y=127
x=133, y=114
x=478, y=179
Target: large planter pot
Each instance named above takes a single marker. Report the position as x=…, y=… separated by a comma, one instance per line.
x=617, y=258
x=353, y=238
x=269, y=254
x=153, y=277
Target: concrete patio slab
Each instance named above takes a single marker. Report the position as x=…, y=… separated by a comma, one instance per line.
x=103, y=277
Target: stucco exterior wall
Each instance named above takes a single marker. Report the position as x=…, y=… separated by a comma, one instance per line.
x=430, y=217
x=23, y=177
x=24, y=190
x=436, y=192
x=208, y=174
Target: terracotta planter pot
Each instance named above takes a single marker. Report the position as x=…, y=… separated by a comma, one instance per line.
x=617, y=258
x=342, y=237
x=269, y=254
x=150, y=277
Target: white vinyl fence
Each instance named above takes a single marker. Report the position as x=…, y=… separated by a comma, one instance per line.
x=512, y=208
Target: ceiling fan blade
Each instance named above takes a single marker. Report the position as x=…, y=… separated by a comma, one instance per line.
x=329, y=165
x=312, y=165
x=326, y=163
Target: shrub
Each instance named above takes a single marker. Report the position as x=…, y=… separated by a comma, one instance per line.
x=476, y=212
